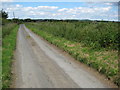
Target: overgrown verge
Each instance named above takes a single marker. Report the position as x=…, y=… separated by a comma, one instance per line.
x=0, y=55
x=103, y=60
x=92, y=34
x=9, y=33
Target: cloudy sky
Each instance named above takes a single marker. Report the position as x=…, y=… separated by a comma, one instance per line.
x=62, y=10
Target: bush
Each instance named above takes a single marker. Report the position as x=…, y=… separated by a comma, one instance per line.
x=96, y=35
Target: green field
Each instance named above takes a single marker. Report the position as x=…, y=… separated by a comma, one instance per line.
x=9, y=33
x=92, y=43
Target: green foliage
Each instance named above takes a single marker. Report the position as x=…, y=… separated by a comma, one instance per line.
x=0, y=55
x=94, y=34
x=3, y=14
x=7, y=28
x=8, y=47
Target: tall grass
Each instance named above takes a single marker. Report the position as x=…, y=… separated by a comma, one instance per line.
x=9, y=32
x=0, y=56
x=7, y=28
x=94, y=34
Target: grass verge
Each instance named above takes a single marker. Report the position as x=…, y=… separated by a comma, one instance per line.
x=8, y=47
x=104, y=61
x=0, y=56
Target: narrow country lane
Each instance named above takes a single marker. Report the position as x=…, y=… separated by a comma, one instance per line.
x=39, y=65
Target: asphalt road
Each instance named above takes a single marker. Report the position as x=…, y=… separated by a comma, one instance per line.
x=41, y=65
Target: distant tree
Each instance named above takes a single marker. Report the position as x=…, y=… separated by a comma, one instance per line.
x=3, y=14
x=28, y=20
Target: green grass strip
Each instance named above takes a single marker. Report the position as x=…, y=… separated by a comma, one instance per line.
x=8, y=47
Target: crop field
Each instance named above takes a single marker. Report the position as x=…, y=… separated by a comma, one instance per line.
x=9, y=33
x=92, y=43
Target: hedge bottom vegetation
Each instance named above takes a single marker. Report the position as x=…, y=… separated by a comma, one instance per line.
x=8, y=47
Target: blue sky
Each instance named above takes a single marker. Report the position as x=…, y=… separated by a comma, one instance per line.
x=63, y=10
x=61, y=0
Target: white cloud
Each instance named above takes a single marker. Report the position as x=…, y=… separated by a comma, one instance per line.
x=32, y=12
x=66, y=0
x=18, y=6
x=59, y=1
x=28, y=8
x=108, y=3
x=54, y=12
x=106, y=8
x=84, y=10
x=63, y=9
x=6, y=0
x=47, y=7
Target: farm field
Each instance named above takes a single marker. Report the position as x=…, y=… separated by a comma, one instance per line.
x=92, y=43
